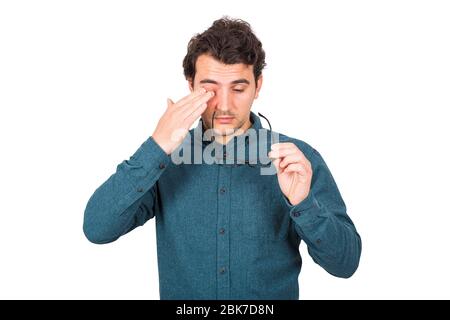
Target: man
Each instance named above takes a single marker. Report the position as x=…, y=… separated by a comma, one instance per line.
x=225, y=229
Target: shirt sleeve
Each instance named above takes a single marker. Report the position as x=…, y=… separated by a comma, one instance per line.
x=322, y=222
x=127, y=198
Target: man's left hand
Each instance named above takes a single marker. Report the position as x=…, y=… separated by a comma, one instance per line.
x=293, y=170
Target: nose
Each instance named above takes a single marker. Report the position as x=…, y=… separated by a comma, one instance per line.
x=221, y=101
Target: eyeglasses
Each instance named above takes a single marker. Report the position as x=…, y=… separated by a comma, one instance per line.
x=245, y=161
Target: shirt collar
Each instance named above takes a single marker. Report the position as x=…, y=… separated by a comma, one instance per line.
x=251, y=153
x=256, y=125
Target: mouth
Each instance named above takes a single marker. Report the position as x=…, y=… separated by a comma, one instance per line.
x=224, y=120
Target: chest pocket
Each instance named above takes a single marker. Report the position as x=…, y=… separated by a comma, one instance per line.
x=264, y=214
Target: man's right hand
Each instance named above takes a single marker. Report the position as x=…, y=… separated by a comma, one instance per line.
x=178, y=118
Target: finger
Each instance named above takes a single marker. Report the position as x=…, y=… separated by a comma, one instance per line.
x=281, y=153
x=286, y=148
x=276, y=163
x=191, y=96
x=296, y=167
x=193, y=105
x=292, y=158
x=195, y=114
x=202, y=98
x=282, y=145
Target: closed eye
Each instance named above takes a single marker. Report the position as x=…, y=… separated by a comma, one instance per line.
x=238, y=90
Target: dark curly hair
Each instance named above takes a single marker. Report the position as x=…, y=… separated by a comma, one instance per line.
x=229, y=41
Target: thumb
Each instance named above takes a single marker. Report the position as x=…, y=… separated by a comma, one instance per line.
x=169, y=102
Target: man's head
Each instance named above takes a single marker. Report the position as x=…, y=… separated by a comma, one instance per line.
x=227, y=59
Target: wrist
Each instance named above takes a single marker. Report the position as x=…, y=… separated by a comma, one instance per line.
x=295, y=200
x=161, y=144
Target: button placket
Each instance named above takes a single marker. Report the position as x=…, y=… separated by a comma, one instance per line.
x=223, y=241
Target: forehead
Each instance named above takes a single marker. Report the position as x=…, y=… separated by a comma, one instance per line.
x=208, y=67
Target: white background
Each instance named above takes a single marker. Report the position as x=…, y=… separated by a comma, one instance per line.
x=83, y=84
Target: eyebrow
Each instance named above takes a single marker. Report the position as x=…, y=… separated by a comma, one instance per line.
x=232, y=82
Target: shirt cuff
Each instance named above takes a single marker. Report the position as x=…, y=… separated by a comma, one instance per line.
x=306, y=211
x=150, y=154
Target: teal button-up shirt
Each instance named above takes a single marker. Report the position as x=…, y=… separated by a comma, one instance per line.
x=224, y=230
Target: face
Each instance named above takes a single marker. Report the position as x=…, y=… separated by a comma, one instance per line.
x=234, y=89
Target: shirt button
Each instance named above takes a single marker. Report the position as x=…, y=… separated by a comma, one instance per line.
x=221, y=230
x=296, y=214
x=162, y=165
x=318, y=241
x=222, y=190
x=222, y=270
x=140, y=190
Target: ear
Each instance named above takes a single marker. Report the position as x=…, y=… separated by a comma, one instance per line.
x=191, y=84
x=258, y=85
